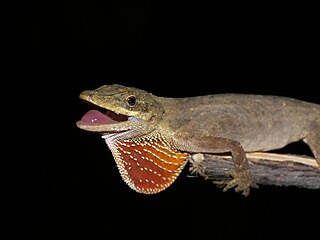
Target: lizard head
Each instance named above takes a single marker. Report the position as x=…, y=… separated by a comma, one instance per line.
x=119, y=108
x=128, y=119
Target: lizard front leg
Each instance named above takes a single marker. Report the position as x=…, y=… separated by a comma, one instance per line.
x=242, y=180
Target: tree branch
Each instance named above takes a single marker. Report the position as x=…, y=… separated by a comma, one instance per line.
x=266, y=169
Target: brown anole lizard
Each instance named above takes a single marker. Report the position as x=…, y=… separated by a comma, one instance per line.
x=151, y=137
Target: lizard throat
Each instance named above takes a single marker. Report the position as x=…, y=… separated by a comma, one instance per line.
x=148, y=164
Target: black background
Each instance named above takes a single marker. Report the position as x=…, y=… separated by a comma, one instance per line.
x=66, y=183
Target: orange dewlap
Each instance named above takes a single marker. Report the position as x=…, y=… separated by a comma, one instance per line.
x=147, y=165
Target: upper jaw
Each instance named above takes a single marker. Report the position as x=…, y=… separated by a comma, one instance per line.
x=105, y=119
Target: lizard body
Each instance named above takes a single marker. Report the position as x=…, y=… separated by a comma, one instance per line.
x=151, y=137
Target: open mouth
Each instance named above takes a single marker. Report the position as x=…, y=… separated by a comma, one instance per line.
x=96, y=117
x=99, y=119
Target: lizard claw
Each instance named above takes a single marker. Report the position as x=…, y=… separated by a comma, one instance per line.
x=241, y=182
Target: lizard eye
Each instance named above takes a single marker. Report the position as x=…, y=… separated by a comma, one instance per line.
x=131, y=100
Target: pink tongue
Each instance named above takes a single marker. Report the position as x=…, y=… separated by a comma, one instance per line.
x=96, y=117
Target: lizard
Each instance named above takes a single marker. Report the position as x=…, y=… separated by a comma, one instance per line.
x=152, y=137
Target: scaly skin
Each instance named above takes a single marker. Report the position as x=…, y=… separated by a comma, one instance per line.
x=235, y=123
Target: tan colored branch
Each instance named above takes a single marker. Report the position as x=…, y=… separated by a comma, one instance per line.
x=266, y=169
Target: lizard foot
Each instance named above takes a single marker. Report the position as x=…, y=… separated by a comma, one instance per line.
x=241, y=181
